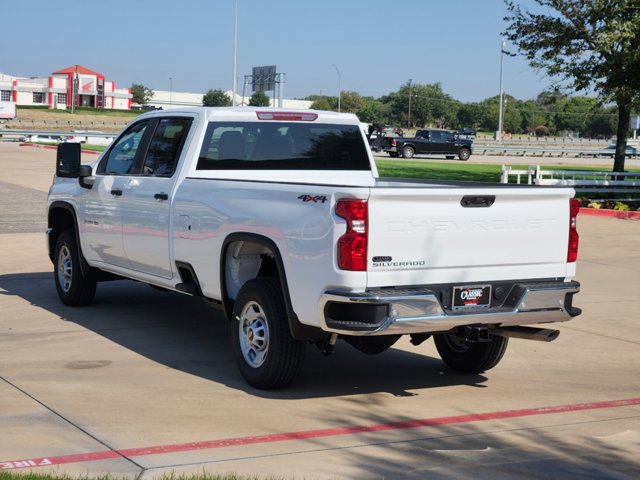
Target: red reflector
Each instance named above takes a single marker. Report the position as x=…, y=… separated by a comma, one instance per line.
x=287, y=116
x=352, y=246
x=572, y=252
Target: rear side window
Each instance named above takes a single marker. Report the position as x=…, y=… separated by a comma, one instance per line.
x=282, y=146
x=165, y=147
x=436, y=136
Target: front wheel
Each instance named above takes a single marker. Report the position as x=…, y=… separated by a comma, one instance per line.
x=75, y=287
x=467, y=357
x=408, y=152
x=464, y=154
x=266, y=353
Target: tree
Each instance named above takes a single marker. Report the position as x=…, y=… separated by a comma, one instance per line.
x=216, y=98
x=372, y=111
x=259, y=99
x=429, y=105
x=323, y=103
x=511, y=118
x=351, y=102
x=141, y=94
x=469, y=115
x=588, y=43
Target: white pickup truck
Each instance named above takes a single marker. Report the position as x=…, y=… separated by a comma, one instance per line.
x=279, y=218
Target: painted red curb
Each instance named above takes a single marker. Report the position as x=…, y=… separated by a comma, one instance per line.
x=53, y=147
x=601, y=212
x=309, y=434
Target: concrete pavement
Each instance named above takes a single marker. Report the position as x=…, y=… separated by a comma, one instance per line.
x=143, y=382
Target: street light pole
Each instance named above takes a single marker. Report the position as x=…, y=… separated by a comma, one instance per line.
x=339, y=88
x=170, y=92
x=409, y=114
x=499, y=132
x=235, y=51
x=74, y=89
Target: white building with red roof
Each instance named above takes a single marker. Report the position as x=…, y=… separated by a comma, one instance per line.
x=77, y=84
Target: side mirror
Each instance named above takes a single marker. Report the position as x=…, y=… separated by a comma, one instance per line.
x=68, y=160
x=86, y=177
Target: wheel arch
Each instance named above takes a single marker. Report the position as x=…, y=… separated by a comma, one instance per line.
x=60, y=217
x=250, y=245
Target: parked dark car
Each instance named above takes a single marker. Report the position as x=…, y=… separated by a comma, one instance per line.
x=466, y=132
x=429, y=142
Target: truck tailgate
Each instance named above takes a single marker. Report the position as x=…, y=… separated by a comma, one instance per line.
x=422, y=235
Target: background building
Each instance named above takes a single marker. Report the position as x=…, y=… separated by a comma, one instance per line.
x=87, y=88
x=168, y=99
x=79, y=84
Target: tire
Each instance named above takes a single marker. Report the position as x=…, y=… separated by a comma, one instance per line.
x=74, y=288
x=394, y=154
x=464, y=154
x=408, y=152
x=470, y=357
x=267, y=355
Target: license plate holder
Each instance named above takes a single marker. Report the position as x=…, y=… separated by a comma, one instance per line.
x=471, y=296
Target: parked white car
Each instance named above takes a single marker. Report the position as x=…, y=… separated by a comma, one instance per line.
x=89, y=137
x=42, y=138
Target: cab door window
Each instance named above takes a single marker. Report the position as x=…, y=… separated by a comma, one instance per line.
x=120, y=160
x=165, y=146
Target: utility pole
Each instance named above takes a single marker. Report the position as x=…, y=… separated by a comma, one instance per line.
x=74, y=89
x=339, y=88
x=235, y=51
x=409, y=114
x=499, y=132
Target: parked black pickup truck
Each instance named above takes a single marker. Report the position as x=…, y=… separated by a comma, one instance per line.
x=431, y=142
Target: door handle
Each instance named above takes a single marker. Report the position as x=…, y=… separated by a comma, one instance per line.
x=116, y=193
x=161, y=196
x=473, y=201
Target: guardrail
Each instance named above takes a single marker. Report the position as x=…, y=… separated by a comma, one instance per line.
x=544, y=140
x=59, y=133
x=117, y=125
x=548, y=151
x=583, y=181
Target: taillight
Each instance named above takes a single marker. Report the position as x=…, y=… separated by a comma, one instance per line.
x=574, y=208
x=352, y=246
x=393, y=142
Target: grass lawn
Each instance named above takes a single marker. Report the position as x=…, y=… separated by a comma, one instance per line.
x=456, y=171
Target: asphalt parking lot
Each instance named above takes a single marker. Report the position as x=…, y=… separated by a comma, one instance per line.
x=143, y=383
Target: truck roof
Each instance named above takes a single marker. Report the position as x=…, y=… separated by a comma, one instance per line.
x=261, y=113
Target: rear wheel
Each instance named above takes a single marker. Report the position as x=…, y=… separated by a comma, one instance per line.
x=408, y=152
x=467, y=357
x=266, y=353
x=464, y=154
x=75, y=287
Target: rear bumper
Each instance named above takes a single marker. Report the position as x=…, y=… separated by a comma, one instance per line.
x=418, y=310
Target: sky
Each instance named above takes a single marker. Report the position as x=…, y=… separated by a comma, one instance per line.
x=375, y=45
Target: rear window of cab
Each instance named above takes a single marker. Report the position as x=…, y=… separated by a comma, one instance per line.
x=282, y=146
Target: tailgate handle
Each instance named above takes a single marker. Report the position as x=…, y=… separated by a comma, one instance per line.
x=475, y=201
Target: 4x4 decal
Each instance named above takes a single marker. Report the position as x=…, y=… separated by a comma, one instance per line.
x=313, y=198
